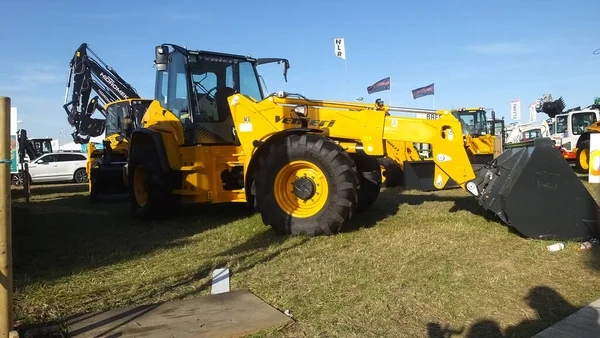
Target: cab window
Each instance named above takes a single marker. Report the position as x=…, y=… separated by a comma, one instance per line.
x=581, y=121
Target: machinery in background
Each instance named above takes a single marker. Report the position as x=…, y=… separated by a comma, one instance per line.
x=27, y=150
x=307, y=166
x=517, y=133
x=582, y=124
x=478, y=133
x=403, y=165
x=86, y=74
x=570, y=129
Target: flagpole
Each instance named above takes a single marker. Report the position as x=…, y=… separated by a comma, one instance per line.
x=433, y=101
x=347, y=83
x=390, y=91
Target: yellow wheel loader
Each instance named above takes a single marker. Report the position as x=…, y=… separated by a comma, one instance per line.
x=307, y=166
x=479, y=133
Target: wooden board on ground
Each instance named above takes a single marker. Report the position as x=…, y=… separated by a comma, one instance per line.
x=230, y=314
x=583, y=323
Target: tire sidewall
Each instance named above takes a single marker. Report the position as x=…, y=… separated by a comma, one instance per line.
x=296, y=154
x=286, y=152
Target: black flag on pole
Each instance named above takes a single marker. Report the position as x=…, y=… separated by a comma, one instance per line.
x=381, y=85
x=423, y=91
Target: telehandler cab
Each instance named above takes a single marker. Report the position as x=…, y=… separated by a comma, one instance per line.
x=307, y=166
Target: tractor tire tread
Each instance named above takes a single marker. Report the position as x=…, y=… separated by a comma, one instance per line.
x=343, y=183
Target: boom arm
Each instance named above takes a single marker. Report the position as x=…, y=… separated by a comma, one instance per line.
x=87, y=75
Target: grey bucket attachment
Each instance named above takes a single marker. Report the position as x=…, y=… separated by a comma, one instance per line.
x=535, y=191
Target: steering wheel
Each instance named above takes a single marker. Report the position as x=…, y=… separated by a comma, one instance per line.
x=211, y=97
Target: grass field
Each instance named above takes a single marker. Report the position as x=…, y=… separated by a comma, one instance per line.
x=412, y=265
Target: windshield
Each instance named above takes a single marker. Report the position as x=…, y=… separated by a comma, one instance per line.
x=561, y=124
x=580, y=121
x=213, y=79
x=473, y=122
x=551, y=128
x=531, y=134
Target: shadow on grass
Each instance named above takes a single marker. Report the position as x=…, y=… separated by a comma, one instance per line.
x=63, y=236
x=391, y=200
x=550, y=308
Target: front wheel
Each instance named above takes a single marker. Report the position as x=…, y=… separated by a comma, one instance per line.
x=582, y=158
x=149, y=192
x=306, y=184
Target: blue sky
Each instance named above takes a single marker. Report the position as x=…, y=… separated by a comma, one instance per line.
x=478, y=53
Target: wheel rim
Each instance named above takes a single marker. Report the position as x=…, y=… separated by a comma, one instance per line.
x=584, y=159
x=17, y=180
x=81, y=176
x=139, y=189
x=383, y=173
x=301, y=189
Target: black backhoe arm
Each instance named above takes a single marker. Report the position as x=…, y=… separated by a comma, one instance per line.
x=87, y=74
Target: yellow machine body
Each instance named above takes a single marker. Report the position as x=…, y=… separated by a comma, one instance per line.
x=307, y=166
x=582, y=149
x=479, y=140
x=363, y=127
x=106, y=167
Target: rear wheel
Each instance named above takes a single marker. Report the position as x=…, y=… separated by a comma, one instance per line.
x=80, y=176
x=370, y=180
x=306, y=184
x=149, y=190
x=582, y=159
x=391, y=172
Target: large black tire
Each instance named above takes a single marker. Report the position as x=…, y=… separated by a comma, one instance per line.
x=392, y=177
x=370, y=180
x=585, y=146
x=154, y=183
x=327, y=164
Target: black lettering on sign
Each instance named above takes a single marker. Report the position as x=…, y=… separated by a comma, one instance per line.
x=310, y=122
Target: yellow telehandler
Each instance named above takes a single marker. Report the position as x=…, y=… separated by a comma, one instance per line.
x=307, y=166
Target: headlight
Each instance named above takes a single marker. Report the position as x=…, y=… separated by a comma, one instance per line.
x=301, y=110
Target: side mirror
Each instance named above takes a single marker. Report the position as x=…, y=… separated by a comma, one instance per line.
x=285, y=64
x=162, y=57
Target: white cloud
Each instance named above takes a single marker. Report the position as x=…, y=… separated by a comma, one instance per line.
x=503, y=48
x=30, y=76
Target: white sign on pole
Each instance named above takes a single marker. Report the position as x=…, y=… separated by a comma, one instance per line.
x=340, y=48
x=515, y=109
x=594, y=170
x=532, y=112
x=13, y=121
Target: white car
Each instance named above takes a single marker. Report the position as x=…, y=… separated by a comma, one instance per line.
x=61, y=166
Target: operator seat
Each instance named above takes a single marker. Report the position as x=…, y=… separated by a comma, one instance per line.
x=221, y=96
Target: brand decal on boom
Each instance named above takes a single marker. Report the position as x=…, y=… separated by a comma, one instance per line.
x=311, y=122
